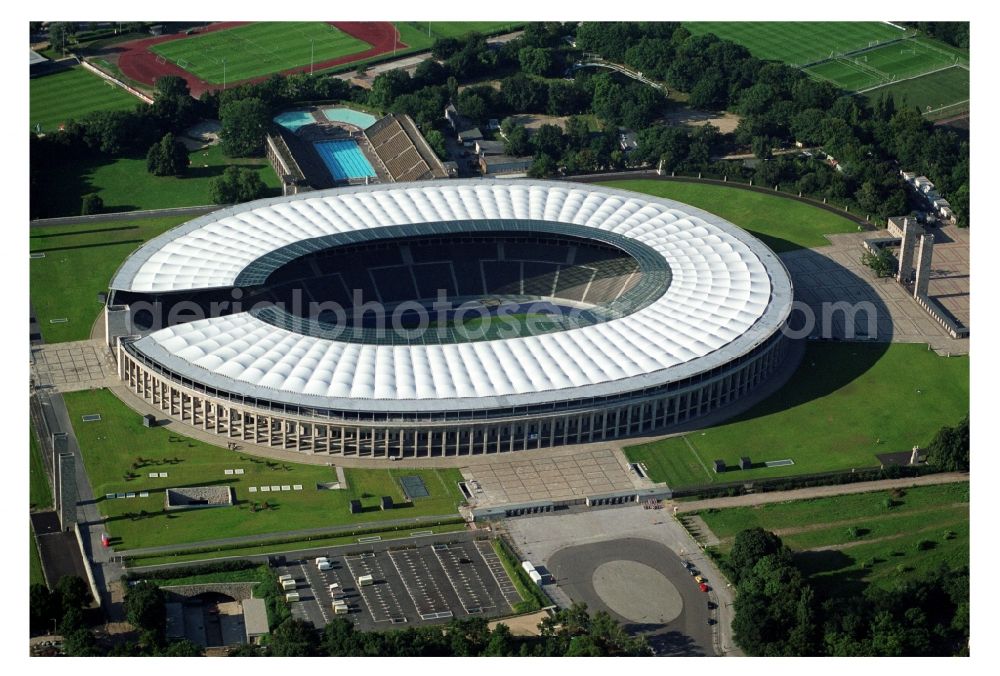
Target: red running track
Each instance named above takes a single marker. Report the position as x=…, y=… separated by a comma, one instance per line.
x=138, y=63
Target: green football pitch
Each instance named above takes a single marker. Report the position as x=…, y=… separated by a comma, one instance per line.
x=938, y=95
x=258, y=49
x=799, y=42
x=71, y=94
x=885, y=64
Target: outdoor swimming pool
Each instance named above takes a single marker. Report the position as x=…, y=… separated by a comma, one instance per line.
x=344, y=159
x=358, y=119
x=293, y=119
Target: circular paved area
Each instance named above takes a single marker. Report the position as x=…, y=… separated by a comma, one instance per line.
x=642, y=584
x=637, y=592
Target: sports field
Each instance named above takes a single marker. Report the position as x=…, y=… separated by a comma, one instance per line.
x=125, y=185
x=118, y=446
x=872, y=536
x=78, y=264
x=885, y=64
x=835, y=413
x=799, y=42
x=422, y=34
x=783, y=224
x=258, y=49
x=73, y=93
x=937, y=95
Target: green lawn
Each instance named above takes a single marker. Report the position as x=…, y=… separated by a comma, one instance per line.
x=112, y=446
x=125, y=185
x=258, y=550
x=39, y=491
x=415, y=33
x=781, y=223
x=78, y=264
x=885, y=547
x=838, y=410
x=259, y=48
x=939, y=94
x=73, y=93
x=35, y=574
x=798, y=42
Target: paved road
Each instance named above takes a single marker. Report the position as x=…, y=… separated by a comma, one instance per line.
x=818, y=492
x=126, y=215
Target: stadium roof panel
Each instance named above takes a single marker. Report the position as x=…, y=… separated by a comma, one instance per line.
x=727, y=294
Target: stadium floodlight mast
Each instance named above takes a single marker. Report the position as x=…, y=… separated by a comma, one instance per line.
x=312, y=51
x=223, y=72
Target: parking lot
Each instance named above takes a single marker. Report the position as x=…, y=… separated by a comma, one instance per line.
x=428, y=583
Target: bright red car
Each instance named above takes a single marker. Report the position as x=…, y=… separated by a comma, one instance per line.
x=703, y=587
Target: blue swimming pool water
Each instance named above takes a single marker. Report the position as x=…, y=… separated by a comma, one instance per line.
x=294, y=119
x=344, y=159
x=363, y=120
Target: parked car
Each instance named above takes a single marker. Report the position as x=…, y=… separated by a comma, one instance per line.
x=699, y=579
x=703, y=587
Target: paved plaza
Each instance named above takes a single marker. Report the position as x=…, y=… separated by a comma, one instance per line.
x=835, y=274
x=68, y=367
x=949, y=282
x=549, y=477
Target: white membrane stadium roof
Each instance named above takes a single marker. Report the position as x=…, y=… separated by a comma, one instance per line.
x=728, y=294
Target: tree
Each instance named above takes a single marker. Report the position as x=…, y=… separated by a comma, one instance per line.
x=44, y=606
x=949, y=449
x=171, y=86
x=294, y=638
x=535, y=60
x=168, y=157
x=548, y=140
x=750, y=546
x=73, y=591
x=501, y=643
x=91, y=204
x=144, y=606
x=182, y=648
x=517, y=142
x=435, y=140
x=244, y=124
x=237, y=184
x=387, y=86
x=879, y=261
x=59, y=35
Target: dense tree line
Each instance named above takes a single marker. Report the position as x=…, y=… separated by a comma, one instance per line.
x=778, y=613
x=779, y=105
x=955, y=33
x=570, y=632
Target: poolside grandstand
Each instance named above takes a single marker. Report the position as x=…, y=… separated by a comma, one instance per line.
x=402, y=150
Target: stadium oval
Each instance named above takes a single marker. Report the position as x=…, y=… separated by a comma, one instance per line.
x=646, y=313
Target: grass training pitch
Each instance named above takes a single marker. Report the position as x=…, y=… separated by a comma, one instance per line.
x=880, y=537
x=798, y=42
x=883, y=65
x=125, y=185
x=78, y=264
x=937, y=95
x=837, y=411
x=119, y=453
x=781, y=223
x=415, y=33
x=257, y=49
x=71, y=94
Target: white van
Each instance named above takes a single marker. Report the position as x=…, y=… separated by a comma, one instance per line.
x=365, y=580
x=287, y=585
x=324, y=565
x=291, y=596
x=334, y=588
x=321, y=560
x=340, y=609
x=286, y=576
